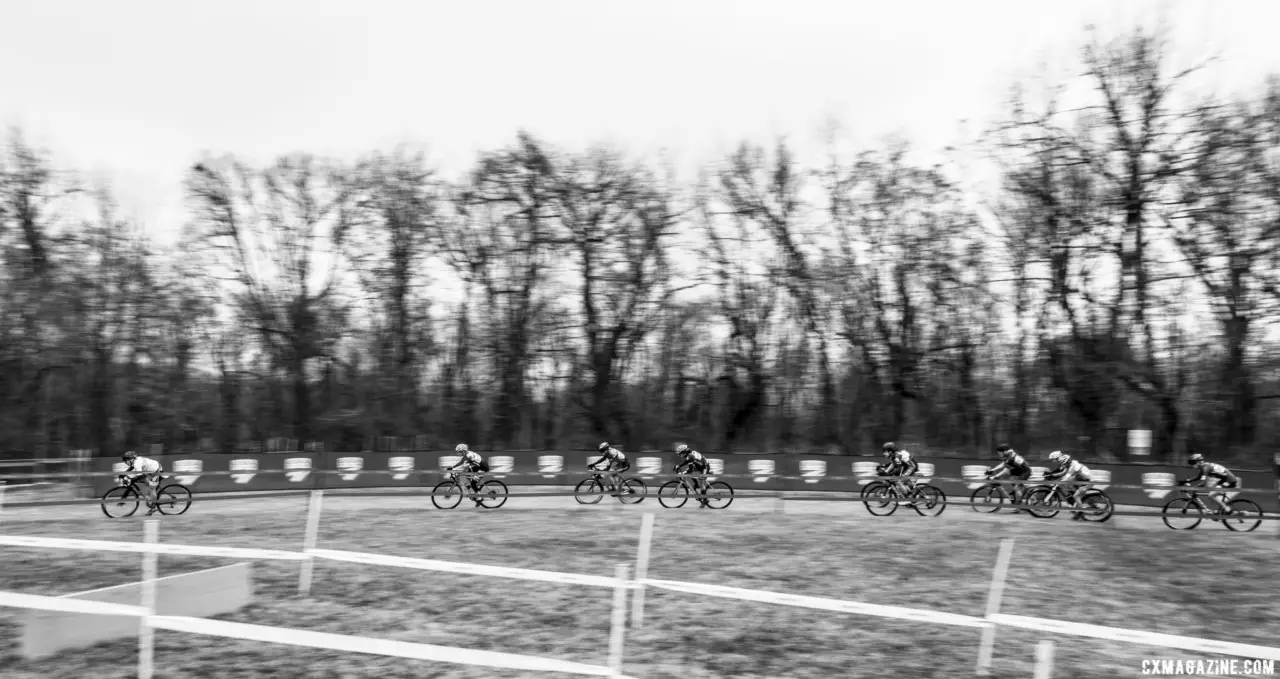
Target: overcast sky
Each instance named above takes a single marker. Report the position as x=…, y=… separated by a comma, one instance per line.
x=137, y=89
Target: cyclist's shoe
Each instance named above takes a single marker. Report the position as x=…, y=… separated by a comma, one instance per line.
x=153, y=510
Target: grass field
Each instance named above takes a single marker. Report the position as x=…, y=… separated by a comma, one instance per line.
x=1207, y=583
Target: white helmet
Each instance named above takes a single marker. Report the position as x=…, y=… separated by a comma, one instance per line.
x=461, y=448
x=1056, y=455
x=682, y=448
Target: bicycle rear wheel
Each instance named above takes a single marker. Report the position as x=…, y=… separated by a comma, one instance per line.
x=446, y=495
x=719, y=495
x=632, y=491
x=588, y=491
x=1181, y=513
x=1249, y=517
x=120, y=502
x=988, y=498
x=1096, y=506
x=932, y=497
x=673, y=495
x=493, y=494
x=173, y=500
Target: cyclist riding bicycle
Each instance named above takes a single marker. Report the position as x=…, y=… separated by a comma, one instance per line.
x=900, y=463
x=1012, y=465
x=693, y=461
x=1211, y=475
x=471, y=462
x=1070, y=470
x=615, y=463
x=147, y=468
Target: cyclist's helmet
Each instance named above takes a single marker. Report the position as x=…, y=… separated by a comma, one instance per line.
x=460, y=448
x=1003, y=448
x=603, y=446
x=1195, y=459
x=889, y=448
x=682, y=449
x=129, y=455
x=1059, y=457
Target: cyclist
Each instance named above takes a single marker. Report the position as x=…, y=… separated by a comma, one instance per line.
x=470, y=461
x=692, y=461
x=900, y=463
x=1070, y=470
x=1014, y=466
x=615, y=463
x=1211, y=475
x=146, y=468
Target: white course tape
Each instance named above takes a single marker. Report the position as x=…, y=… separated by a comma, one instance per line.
x=471, y=569
x=1138, y=637
x=388, y=647
x=54, y=603
x=141, y=547
x=919, y=615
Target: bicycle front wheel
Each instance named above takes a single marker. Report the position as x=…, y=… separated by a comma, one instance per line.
x=446, y=495
x=120, y=502
x=588, y=491
x=173, y=500
x=493, y=494
x=1043, y=503
x=719, y=495
x=880, y=498
x=1181, y=514
x=632, y=492
x=673, y=495
x=932, y=498
x=1246, y=515
x=988, y=498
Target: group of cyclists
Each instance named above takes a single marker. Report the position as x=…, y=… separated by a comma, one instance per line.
x=900, y=464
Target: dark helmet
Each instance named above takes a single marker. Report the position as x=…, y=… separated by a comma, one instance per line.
x=1002, y=448
x=889, y=447
x=129, y=455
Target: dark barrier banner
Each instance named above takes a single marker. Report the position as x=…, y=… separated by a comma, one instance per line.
x=824, y=473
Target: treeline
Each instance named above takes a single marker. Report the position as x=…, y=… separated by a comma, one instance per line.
x=1123, y=276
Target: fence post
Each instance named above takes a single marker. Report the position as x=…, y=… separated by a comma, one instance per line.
x=993, y=606
x=2, y=485
x=314, y=506
x=1044, y=659
x=147, y=635
x=778, y=500
x=1277, y=463
x=642, y=569
x=619, y=625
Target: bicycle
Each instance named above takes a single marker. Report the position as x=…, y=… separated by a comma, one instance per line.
x=882, y=494
x=674, y=494
x=449, y=493
x=171, y=500
x=1191, y=502
x=591, y=490
x=988, y=498
x=1046, y=500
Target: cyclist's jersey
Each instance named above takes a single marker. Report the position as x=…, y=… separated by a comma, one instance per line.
x=1213, y=471
x=470, y=458
x=1073, y=471
x=902, y=463
x=614, y=457
x=143, y=465
x=1016, y=464
x=695, y=461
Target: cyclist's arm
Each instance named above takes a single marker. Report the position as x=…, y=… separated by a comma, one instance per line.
x=997, y=469
x=1188, y=481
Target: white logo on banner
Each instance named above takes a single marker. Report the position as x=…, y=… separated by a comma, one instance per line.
x=1037, y=473
x=402, y=466
x=649, y=466
x=1101, y=478
x=594, y=459
x=1164, y=483
x=447, y=461
x=761, y=469
x=550, y=465
x=865, y=471
x=119, y=467
x=502, y=464
x=926, y=470
x=351, y=465
x=296, y=469
x=717, y=466
x=813, y=470
x=244, y=465
x=187, y=472
x=975, y=474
